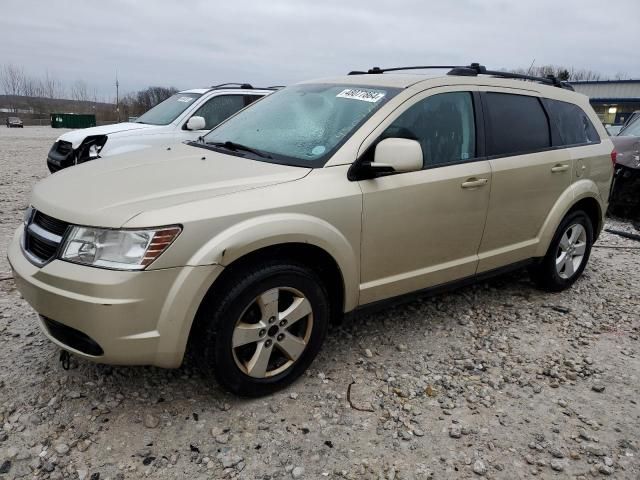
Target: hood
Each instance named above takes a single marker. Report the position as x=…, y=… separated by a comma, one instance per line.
x=108, y=193
x=77, y=136
x=628, y=148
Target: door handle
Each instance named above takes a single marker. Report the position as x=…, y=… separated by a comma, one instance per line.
x=559, y=168
x=474, y=182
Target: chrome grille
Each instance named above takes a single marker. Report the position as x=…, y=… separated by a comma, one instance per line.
x=50, y=224
x=42, y=237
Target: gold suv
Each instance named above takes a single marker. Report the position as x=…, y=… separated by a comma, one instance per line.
x=314, y=201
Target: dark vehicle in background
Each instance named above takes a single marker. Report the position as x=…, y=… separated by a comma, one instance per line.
x=625, y=192
x=14, y=122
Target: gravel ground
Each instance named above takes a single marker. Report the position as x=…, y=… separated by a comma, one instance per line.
x=496, y=380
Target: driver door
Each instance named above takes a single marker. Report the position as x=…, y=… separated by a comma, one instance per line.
x=424, y=228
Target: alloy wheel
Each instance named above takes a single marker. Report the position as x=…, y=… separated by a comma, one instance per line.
x=272, y=332
x=571, y=251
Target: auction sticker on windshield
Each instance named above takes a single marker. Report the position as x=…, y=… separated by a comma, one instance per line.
x=365, y=95
x=185, y=99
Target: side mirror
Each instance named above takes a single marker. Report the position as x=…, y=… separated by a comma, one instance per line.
x=196, y=123
x=397, y=155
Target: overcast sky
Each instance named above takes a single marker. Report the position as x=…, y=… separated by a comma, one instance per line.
x=199, y=43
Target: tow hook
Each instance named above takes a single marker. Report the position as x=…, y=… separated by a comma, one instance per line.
x=65, y=359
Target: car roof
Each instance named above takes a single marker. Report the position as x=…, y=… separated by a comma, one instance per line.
x=196, y=90
x=395, y=80
x=202, y=91
x=403, y=81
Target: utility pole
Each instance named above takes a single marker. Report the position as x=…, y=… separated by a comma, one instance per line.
x=117, y=97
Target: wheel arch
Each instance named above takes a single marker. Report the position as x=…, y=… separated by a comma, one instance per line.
x=303, y=238
x=582, y=195
x=306, y=254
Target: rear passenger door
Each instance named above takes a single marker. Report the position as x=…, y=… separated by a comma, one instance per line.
x=572, y=129
x=528, y=175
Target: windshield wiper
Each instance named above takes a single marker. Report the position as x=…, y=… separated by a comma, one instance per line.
x=238, y=146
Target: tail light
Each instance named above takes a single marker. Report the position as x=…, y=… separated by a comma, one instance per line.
x=614, y=157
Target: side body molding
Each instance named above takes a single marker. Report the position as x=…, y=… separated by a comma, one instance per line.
x=282, y=228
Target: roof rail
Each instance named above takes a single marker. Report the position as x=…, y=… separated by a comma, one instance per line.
x=232, y=85
x=477, y=69
x=245, y=86
x=394, y=69
x=474, y=69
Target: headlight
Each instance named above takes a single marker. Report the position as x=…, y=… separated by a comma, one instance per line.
x=90, y=148
x=117, y=249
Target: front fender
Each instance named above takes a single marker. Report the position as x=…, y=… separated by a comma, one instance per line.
x=278, y=229
x=577, y=191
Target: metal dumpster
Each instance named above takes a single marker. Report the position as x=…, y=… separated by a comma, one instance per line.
x=72, y=120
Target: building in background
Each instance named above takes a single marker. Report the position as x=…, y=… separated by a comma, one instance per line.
x=613, y=100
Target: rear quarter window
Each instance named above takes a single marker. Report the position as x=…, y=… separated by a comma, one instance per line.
x=516, y=124
x=572, y=124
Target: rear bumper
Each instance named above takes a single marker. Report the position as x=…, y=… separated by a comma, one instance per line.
x=126, y=318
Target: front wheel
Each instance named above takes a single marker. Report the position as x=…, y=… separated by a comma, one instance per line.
x=568, y=254
x=266, y=330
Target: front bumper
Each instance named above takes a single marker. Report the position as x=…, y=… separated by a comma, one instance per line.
x=134, y=318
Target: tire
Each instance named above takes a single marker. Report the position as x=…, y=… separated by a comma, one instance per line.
x=554, y=274
x=246, y=312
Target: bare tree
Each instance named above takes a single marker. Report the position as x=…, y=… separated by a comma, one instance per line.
x=51, y=86
x=32, y=92
x=80, y=91
x=11, y=79
x=12, y=82
x=563, y=73
x=583, y=75
x=136, y=103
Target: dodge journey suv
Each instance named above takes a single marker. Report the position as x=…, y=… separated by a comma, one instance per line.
x=321, y=198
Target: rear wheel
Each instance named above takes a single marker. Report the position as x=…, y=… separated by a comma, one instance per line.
x=266, y=330
x=568, y=253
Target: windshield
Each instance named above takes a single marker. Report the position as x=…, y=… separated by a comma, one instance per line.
x=300, y=125
x=166, y=112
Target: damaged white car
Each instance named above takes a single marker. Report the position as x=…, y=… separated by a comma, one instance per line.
x=184, y=116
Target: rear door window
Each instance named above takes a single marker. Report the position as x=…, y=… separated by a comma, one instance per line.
x=516, y=124
x=572, y=123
